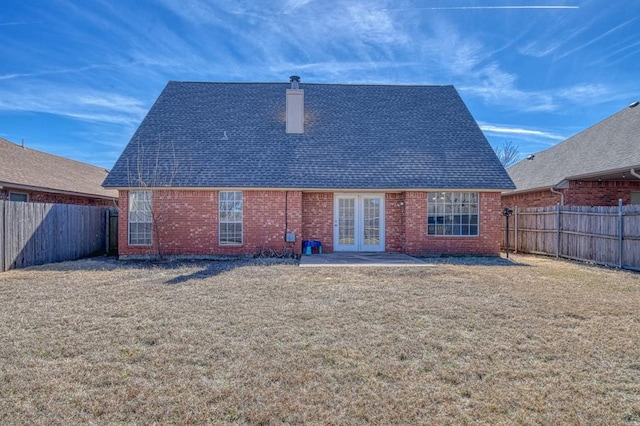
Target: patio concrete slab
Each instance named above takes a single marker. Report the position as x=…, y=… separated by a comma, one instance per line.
x=360, y=259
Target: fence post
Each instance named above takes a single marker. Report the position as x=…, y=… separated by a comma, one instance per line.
x=620, y=230
x=515, y=231
x=106, y=231
x=3, y=231
x=558, y=231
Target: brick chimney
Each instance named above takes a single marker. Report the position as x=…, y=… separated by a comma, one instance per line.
x=295, y=106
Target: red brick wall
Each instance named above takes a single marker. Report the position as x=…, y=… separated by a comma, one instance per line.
x=188, y=223
x=531, y=199
x=50, y=197
x=418, y=242
x=394, y=239
x=317, y=218
x=579, y=193
x=600, y=193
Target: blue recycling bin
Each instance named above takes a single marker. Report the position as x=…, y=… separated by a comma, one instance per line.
x=309, y=245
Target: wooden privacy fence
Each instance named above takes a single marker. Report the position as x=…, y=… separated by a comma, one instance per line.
x=39, y=233
x=605, y=235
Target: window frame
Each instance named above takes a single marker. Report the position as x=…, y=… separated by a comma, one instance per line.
x=231, y=239
x=25, y=194
x=451, y=211
x=142, y=217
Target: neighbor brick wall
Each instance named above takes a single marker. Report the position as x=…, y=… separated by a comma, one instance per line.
x=50, y=197
x=579, y=193
x=600, y=193
x=418, y=242
x=188, y=223
x=531, y=199
x=317, y=218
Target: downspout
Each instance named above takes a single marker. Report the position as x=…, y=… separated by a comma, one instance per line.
x=561, y=194
x=633, y=173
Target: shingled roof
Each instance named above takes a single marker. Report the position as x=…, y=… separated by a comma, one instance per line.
x=608, y=148
x=232, y=135
x=26, y=168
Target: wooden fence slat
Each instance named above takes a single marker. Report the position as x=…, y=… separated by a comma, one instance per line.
x=608, y=235
x=2, y=236
x=39, y=233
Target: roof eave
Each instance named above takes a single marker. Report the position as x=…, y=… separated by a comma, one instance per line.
x=11, y=185
x=602, y=173
x=302, y=189
x=526, y=190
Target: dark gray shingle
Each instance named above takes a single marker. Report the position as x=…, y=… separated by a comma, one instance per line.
x=356, y=137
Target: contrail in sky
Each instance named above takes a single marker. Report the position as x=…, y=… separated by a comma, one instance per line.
x=496, y=7
x=6, y=24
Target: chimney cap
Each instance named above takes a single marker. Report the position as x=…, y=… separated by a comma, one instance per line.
x=294, y=78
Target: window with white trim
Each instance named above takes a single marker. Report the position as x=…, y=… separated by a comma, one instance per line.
x=140, y=218
x=230, y=218
x=452, y=213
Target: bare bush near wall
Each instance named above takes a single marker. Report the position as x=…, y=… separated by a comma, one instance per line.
x=150, y=172
x=39, y=233
x=601, y=234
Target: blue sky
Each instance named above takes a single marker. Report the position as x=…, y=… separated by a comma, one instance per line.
x=77, y=77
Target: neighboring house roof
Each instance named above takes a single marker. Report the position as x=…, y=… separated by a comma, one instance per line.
x=232, y=135
x=603, y=151
x=28, y=169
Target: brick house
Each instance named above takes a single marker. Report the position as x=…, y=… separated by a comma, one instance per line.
x=35, y=176
x=236, y=168
x=595, y=167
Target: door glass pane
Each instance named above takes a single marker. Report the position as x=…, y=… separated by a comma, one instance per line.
x=346, y=221
x=371, y=221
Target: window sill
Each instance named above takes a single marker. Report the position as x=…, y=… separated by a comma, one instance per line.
x=452, y=236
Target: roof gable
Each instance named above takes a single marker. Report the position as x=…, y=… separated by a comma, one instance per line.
x=30, y=169
x=355, y=137
x=610, y=145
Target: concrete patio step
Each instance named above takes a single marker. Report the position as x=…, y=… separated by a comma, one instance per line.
x=360, y=259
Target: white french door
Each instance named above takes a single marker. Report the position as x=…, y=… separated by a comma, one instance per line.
x=358, y=222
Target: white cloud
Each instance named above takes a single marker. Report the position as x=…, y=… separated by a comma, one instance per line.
x=619, y=52
x=73, y=102
x=335, y=72
x=449, y=50
x=10, y=24
x=51, y=72
x=537, y=50
x=196, y=11
x=596, y=39
x=550, y=38
x=581, y=93
x=293, y=5
x=505, y=94
x=498, y=7
x=373, y=24
x=518, y=131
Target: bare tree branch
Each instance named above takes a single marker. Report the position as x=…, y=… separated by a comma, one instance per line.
x=508, y=153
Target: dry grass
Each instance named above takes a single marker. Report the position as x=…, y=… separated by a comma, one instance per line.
x=97, y=341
